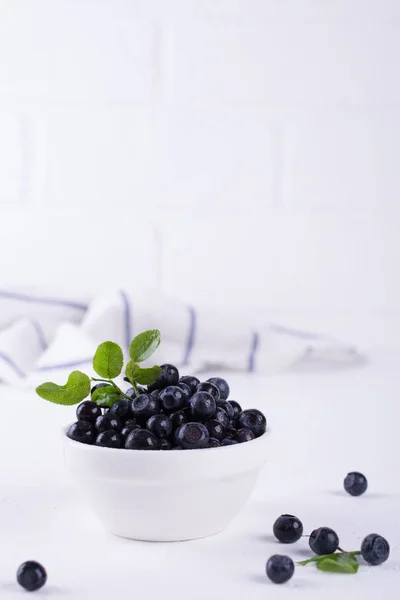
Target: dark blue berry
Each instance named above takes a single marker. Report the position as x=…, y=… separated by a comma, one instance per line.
x=180, y=417
x=227, y=407
x=107, y=422
x=213, y=443
x=231, y=432
x=192, y=382
x=375, y=549
x=324, y=541
x=177, y=448
x=222, y=386
x=169, y=376
x=164, y=444
x=172, y=398
x=203, y=405
x=210, y=388
x=288, y=529
x=187, y=392
x=215, y=429
x=279, y=568
x=145, y=406
x=192, y=436
x=160, y=425
x=99, y=385
x=155, y=393
x=141, y=439
x=121, y=408
x=128, y=428
x=109, y=439
x=31, y=575
x=82, y=432
x=244, y=435
x=355, y=483
x=221, y=416
x=131, y=392
x=254, y=420
x=228, y=442
x=237, y=409
x=88, y=411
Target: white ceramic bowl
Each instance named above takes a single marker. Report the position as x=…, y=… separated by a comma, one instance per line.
x=163, y=496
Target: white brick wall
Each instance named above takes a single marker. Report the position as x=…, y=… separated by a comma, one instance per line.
x=258, y=138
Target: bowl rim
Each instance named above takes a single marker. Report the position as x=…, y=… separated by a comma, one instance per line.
x=117, y=451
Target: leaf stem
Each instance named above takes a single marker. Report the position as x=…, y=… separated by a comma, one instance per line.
x=115, y=385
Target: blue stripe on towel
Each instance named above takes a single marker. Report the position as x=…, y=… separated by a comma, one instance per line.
x=127, y=319
x=66, y=365
x=40, y=334
x=254, y=346
x=12, y=364
x=303, y=335
x=191, y=335
x=41, y=300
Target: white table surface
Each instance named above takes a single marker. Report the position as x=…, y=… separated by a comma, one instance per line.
x=322, y=425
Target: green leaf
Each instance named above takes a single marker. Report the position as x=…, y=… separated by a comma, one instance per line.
x=108, y=360
x=145, y=376
x=144, y=344
x=106, y=396
x=341, y=562
x=74, y=391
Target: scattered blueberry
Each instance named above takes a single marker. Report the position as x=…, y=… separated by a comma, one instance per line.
x=221, y=416
x=31, y=575
x=213, y=443
x=375, y=549
x=88, y=411
x=355, y=483
x=145, y=406
x=210, y=388
x=192, y=382
x=279, y=568
x=222, y=386
x=107, y=421
x=203, y=405
x=109, y=439
x=160, y=425
x=169, y=376
x=324, y=541
x=172, y=398
x=121, y=408
x=141, y=439
x=237, y=409
x=288, y=529
x=227, y=407
x=216, y=429
x=254, y=420
x=187, y=392
x=82, y=432
x=244, y=435
x=228, y=442
x=192, y=436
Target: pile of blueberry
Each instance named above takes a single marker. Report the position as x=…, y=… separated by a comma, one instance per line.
x=174, y=413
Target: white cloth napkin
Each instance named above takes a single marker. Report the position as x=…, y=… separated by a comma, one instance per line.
x=45, y=337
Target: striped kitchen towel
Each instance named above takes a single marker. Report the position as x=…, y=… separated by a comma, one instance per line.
x=46, y=336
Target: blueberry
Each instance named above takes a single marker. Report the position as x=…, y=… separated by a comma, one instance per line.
x=279, y=568
x=121, y=408
x=237, y=409
x=164, y=444
x=231, y=432
x=109, y=439
x=192, y=436
x=375, y=549
x=177, y=448
x=88, y=411
x=180, y=417
x=213, y=443
x=141, y=439
x=228, y=442
x=203, y=405
x=169, y=376
x=145, y=406
x=97, y=386
x=187, y=392
x=254, y=420
x=244, y=435
x=221, y=416
x=216, y=429
x=210, y=388
x=107, y=422
x=288, y=529
x=31, y=575
x=324, y=541
x=155, y=393
x=160, y=425
x=83, y=432
x=222, y=386
x=355, y=483
x=192, y=382
x=131, y=392
x=128, y=428
x=227, y=407
x=172, y=398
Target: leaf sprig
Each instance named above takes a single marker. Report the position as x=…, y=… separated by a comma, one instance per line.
x=339, y=562
x=108, y=362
